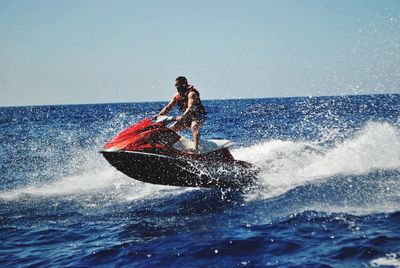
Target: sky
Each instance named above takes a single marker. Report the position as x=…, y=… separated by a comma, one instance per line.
x=97, y=51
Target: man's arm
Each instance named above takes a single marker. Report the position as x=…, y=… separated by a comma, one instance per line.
x=167, y=108
x=191, y=102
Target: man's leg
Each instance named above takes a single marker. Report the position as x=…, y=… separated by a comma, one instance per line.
x=178, y=126
x=195, y=126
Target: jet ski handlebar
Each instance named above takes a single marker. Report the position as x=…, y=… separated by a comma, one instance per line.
x=165, y=119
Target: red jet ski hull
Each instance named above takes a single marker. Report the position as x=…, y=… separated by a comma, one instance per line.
x=144, y=152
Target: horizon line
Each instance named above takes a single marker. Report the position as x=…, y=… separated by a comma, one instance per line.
x=160, y=101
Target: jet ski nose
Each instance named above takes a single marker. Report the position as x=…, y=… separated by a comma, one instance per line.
x=109, y=150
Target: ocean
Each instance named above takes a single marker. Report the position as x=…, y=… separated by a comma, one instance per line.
x=328, y=192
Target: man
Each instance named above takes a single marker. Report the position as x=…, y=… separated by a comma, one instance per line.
x=193, y=111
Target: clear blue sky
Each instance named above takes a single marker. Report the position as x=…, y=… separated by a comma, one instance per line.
x=61, y=52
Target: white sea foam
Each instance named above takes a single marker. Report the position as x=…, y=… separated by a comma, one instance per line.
x=285, y=165
x=376, y=146
x=117, y=186
x=390, y=260
x=84, y=183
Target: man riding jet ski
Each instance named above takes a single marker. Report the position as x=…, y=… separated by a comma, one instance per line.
x=151, y=152
x=193, y=111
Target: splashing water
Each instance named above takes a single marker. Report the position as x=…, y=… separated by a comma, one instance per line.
x=285, y=165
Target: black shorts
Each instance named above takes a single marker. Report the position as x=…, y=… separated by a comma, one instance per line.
x=199, y=118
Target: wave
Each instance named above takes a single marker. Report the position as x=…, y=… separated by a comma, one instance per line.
x=106, y=183
x=369, y=160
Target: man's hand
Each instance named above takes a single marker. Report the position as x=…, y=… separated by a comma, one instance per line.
x=178, y=118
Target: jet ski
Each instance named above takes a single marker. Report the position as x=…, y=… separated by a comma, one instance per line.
x=151, y=152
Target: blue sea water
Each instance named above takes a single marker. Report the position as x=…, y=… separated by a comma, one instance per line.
x=328, y=192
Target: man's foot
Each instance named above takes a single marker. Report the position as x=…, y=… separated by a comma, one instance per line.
x=192, y=151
